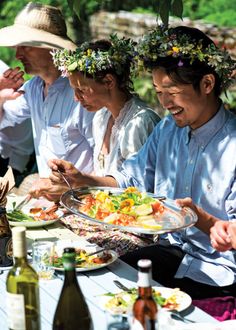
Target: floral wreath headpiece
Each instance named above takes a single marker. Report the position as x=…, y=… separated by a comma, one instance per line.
x=87, y=60
x=163, y=42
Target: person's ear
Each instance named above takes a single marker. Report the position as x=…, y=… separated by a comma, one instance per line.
x=109, y=81
x=208, y=83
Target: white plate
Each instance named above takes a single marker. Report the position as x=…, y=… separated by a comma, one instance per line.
x=37, y=223
x=182, y=298
x=41, y=203
x=60, y=245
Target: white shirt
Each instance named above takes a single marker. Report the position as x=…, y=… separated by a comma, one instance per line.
x=62, y=128
x=129, y=132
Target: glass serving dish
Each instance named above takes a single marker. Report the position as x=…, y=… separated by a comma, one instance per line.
x=173, y=218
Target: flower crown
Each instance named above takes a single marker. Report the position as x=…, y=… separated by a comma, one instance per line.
x=163, y=42
x=89, y=61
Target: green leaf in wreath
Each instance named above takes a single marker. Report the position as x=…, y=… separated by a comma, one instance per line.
x=165, y=6
x=177, y=8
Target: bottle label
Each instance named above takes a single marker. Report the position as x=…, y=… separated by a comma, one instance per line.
x=144, y=280
x=137, y=325
x=16, y=311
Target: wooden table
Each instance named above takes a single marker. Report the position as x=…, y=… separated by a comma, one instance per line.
x=93, y=284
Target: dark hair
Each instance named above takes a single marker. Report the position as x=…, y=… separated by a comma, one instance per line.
x=124, y=80
x=181, y=70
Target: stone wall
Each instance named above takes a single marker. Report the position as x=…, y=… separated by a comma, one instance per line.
x=131, y=25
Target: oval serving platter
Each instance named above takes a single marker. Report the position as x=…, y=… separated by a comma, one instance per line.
x=172, y=219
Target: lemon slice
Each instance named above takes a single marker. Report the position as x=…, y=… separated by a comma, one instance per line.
x=143, y=209
x=150, y=224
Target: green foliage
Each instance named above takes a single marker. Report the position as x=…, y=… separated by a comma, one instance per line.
x=143, y=86
x=163, y=8
x=221, y=12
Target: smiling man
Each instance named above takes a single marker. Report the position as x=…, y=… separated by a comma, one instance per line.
x=191, y=153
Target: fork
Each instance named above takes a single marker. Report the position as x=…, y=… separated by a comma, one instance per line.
x=73, y=193
x=177, y=316
x=121, y=286
x=23, y=202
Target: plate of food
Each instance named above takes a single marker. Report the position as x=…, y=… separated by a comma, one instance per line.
x=121, y=303
x=128, y=209
x=88, y=257
x=36, y=213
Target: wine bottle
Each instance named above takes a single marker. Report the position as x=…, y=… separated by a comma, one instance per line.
x=145, y=307
x=22, y=288
x=72, y=312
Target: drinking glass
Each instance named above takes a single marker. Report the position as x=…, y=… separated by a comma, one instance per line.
x=42, y=258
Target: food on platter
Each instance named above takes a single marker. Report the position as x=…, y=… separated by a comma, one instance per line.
x=122, y=302
x=83, y=259
x=33, y=214
x=129, y=208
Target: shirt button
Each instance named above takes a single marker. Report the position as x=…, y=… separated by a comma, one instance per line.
x=187, y=188
x=209, y=187
x=191, y=161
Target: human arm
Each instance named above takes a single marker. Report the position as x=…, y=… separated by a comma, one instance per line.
x=53, y=187
x=217, y=229
x=77, y=178
x=44, y=188
x=232, y=233
x=12, y=78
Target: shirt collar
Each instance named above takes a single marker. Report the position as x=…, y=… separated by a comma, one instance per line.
x=204, y=134
x=59, y=84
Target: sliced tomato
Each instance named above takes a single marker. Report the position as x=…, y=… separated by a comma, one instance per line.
x=157, y=207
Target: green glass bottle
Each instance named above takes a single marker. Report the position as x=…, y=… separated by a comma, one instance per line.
x=22, y=288
x=72, y=312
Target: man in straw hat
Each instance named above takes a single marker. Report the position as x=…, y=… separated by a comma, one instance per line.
x=61, y=126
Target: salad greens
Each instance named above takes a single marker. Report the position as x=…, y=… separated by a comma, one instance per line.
x=18, y=215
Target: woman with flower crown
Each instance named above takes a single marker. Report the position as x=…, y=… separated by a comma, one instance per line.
x=190, y=153
x=100, y=74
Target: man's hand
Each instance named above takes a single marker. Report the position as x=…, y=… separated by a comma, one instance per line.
x=217, y=229
x=12, y=78
x=232, y=234
x=220, y=238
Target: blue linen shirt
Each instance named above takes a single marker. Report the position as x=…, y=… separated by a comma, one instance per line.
x=62, y=128
x=16, y=143
x=177, y=162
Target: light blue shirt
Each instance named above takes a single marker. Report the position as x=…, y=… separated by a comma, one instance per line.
x=62, y=128
x=16, y=143
x=201, y=164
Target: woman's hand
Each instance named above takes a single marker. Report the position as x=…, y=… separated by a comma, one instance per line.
x=69, y=171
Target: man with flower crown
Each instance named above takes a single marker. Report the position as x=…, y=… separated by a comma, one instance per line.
x=191, y=153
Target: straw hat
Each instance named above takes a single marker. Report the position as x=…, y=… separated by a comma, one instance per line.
x=37, y=25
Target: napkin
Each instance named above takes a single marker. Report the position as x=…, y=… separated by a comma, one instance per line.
x=221, y=308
